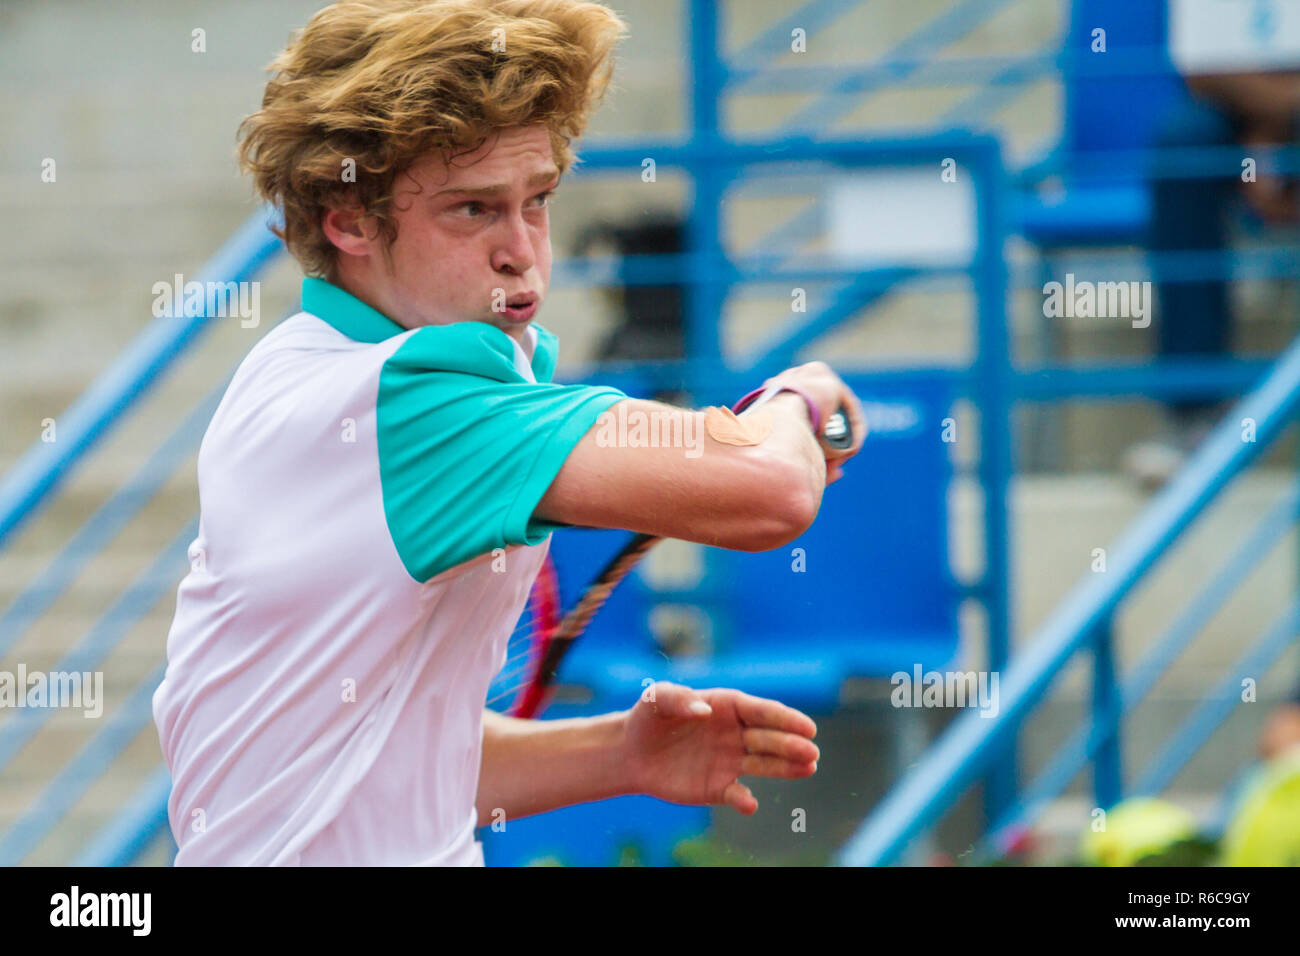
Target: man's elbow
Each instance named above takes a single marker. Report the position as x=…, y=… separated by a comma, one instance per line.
x=787, y=511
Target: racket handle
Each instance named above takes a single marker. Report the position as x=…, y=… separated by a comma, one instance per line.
x=838, y=433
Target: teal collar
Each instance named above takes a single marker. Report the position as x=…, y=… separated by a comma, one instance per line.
x=346, y=312
x=362, y=323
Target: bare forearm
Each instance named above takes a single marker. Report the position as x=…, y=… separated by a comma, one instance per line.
x=689, y=485
x=531, y=766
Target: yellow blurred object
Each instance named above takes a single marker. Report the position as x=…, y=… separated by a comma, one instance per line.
x=1136, y=828
x=1265, y=830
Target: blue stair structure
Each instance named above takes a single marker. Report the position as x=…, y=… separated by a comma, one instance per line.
x=1082, y=625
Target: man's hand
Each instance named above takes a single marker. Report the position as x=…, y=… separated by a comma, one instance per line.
x=829, y=393
x=690, y=747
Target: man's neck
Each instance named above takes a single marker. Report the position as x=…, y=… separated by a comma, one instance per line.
x=525, y=341
x=519, y=334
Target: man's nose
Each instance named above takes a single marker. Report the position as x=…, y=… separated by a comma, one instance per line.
x=514, y=251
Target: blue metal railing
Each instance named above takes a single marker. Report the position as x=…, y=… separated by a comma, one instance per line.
x=39, y=472
x=99, y=642
x=142, y=821
x=101, y=527
x=972, y=741
x=1198, y=727
x=72, y=781
x=1083, y=746
x=114, y=734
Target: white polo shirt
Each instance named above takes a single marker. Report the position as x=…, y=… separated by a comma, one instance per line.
x=334, y=641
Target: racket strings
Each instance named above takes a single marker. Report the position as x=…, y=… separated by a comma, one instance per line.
x=510, y=684
x=544, y=647
x=514, y=670
x=526, y=644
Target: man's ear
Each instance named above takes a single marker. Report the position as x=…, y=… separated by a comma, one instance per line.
x=350, y=230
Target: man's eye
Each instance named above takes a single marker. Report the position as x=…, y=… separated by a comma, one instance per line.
x=473, y=209
x=543, y=199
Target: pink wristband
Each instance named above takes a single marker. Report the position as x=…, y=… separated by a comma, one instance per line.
x=813, y=412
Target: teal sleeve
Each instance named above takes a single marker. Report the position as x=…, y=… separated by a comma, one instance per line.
x=464, y=459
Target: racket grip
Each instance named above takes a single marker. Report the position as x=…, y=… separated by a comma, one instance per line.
x=838, y=433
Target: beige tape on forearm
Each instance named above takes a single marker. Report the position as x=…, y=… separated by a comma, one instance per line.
x=723, y=425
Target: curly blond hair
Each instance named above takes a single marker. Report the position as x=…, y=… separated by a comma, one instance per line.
x=382, y=82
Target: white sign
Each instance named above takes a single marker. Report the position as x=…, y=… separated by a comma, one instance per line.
x=1226, y=36
x=908, y=216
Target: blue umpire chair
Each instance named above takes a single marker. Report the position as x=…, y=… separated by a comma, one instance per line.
x=867, y=591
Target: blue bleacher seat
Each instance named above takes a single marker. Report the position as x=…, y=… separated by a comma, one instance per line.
x=1109, y=115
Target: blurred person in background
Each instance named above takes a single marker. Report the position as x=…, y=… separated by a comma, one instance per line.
x=1281, y=733
x=1241, y=63
x=651, y=324
x=651, y=319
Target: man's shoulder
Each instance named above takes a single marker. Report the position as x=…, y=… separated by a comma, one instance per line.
x=305, y=344
x=306, y=332
x=299, y=375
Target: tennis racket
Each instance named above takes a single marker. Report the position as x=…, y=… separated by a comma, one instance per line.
x=543, y=638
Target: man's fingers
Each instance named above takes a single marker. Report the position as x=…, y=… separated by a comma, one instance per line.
x=857, y=421
x=777, y=743
x=756, y=765
x=761, y=712
x=738, y=796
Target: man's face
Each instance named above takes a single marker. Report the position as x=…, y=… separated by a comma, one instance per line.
x=473, y=238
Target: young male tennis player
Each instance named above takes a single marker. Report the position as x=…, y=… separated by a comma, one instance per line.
x=334, y=641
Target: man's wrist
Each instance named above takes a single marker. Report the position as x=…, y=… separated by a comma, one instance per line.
x=609, y=756
x=796, y=404
x=627, y=779
x=761, y=396
x=599, y=745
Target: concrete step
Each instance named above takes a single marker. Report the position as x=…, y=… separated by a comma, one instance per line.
x=143, y=645
x=162, y=517
x=58, y=743
x=1059, y=521
x=78, y=831
x=102, y=582
x=97, y=807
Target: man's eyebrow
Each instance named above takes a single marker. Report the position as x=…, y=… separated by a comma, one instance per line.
x=536, y=181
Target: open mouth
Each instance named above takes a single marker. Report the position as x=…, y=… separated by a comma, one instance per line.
x=521, y=307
